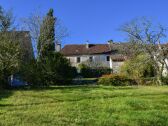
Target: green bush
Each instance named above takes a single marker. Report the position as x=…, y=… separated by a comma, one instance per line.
x=31, y=73
x=138, y=67
x=165, y=80
x=116, y=80
x=53, y=70
x=147, y=81
x=88, y=72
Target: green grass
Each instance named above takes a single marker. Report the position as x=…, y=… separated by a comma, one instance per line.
x=86, y=106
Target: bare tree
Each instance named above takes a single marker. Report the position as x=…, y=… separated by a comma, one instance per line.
x=146, y=37
x=32, y=24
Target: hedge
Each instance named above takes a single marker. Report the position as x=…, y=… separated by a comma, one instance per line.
x=116, y=80
x=94, y=72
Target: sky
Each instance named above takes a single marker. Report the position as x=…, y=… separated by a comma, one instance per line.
x=96, y=21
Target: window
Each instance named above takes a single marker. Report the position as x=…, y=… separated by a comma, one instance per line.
x=78, y=60
x=91, y=59
x=108, y=58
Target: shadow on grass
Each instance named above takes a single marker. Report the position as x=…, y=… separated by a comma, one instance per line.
x=119, y=87
x=82, y=87
x=66, y=87
x=5, y=94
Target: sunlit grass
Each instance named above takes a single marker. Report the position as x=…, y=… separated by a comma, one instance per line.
x=85, y=105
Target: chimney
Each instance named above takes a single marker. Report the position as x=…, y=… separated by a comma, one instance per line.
x=87, y=44
x=58, y=47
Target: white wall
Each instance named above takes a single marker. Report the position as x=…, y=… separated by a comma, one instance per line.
x=116, y=66
x=97, y=59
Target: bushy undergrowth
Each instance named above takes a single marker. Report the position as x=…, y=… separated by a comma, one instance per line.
x=146, y=81
x=116, y=80
x=165, y=80
x=92, y=72
x=53, y=70
x=138, y=67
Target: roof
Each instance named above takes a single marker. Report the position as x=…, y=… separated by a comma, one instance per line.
x=24, y=38
x=72, y=50
x=69, y=50
x=118, y=57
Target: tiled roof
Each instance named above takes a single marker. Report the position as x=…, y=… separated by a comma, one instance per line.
x=70, y=50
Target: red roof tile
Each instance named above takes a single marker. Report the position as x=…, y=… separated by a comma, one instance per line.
x=70, y=50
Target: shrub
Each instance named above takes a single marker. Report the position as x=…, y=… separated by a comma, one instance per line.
x=165, y=80
x=31, y=73
x=88, y=72
x=116, y=80
x=138, y=67
x=53, y=70
x=147, y=81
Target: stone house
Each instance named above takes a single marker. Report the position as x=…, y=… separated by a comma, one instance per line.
x=105, y=55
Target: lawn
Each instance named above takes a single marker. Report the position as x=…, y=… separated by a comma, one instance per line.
x=85, y=105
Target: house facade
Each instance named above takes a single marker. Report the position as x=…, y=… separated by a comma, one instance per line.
x=102, y=55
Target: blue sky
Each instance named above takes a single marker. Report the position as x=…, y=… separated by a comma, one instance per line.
x=95, y=20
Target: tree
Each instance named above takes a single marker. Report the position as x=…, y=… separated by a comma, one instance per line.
x=146, y=37
x=47, y=35
x=51, y=68
x=55, y=71
x=10, y=54
x=6, y=20
x=35, y=21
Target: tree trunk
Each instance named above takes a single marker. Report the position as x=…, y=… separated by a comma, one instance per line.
x=159, y=80
x=159, y=75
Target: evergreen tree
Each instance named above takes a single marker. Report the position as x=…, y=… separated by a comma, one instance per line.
x=47, y=35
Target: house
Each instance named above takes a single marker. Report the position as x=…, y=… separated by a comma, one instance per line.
x=106, y=55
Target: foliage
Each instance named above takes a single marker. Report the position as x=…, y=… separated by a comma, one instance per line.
x=33, y=23
x=47, y=35
x=145, y=37
x=6, y=20
x=10, y=52
x=138, y=67
x=10, y=55
x=51, y=70
x=57, y=69
x=91, y=72
x=165, y=80
x=31, y=73
x=116, y=80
